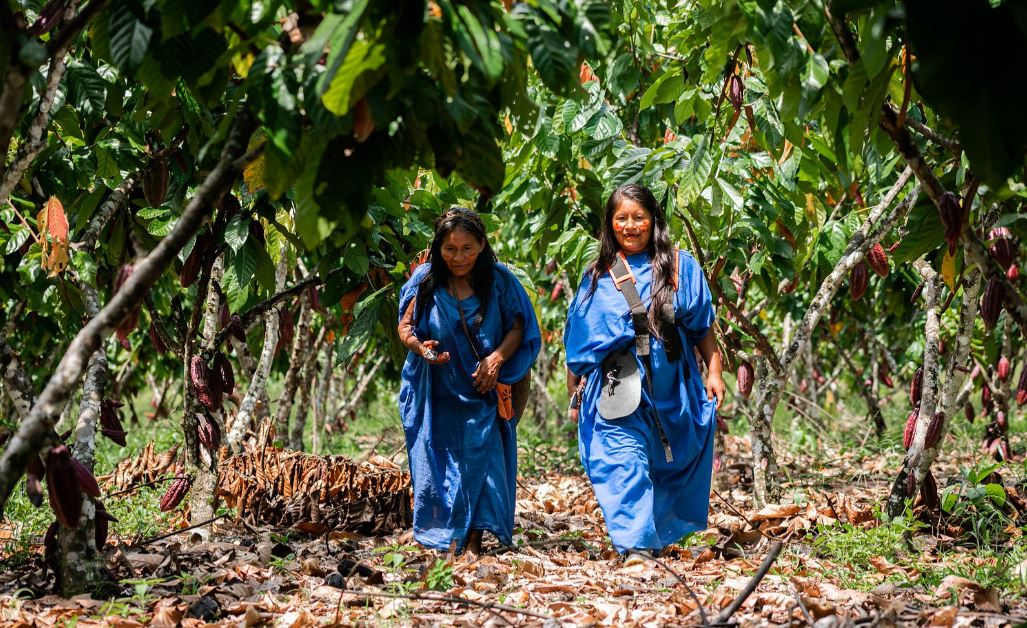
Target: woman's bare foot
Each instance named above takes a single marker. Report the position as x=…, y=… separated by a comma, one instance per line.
x=474, y=542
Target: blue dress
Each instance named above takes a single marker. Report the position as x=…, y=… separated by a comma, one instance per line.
x=463, y=456
x=647, y=502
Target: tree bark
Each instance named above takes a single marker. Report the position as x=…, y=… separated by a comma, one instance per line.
x=922, y=454
x=258, y=384
x=324, y=384
x=299, y=423
x=300, y=347
x=769, y=389
x=34, y=429
x=79, y=559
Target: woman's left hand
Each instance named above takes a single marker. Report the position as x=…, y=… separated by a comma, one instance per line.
x=487, y=373
x=715, y=387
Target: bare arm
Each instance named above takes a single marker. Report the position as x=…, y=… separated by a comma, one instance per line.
x=711, y=356
x=412, y=342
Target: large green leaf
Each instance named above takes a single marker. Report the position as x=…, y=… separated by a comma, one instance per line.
x=361, y=68
x=129, y=37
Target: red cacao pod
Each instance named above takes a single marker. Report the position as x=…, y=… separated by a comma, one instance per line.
x=363, y=121
x=223, y=366
x=934, y=429
x=907, y=433
x=884, y=374
x=286, y=329
x=155, y=182
x=952, y=218
x=557, y=290
x=157, y=340
x=208, y=432
x=917, y=292
x=1012, y=273
x=929, y=493
x=858, y=281
x=199, y=373
x=62, y=486
x=991, y=302
x=224, y=314
x=1003, y=368
x=102, y=525
x=878, y=260
x=175, y=493
x=916, y=387
x=744, y=378
x=110, y=421
x=85, y=477
x=736, y=91
x=1003, y=246
x=236, y=328
x=968, y=410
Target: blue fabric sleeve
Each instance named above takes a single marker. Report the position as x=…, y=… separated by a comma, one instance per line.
x=695, y=304
x=513, y=301
x=409, y=290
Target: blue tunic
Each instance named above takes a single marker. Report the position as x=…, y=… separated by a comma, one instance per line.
x=463, y=456
x=647, y=502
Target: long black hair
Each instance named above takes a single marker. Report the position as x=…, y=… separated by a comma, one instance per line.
x=458, y=219
x=660, y=252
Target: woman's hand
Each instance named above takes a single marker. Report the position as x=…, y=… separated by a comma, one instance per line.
x=487, y=373
x=428, y=348
x=715, y=386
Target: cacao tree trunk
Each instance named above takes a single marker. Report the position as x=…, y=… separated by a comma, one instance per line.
x=355, y=396
x=936, y=406
x=769, y=389
x=257, y=389
x=324, y=384
x=16, y=381
x=80, y=561
x=36, y=428
x=300, y=346
x=200, y=464
x=299, y=423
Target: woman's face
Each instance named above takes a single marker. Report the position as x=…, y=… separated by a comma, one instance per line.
x=632, y=226
x=460, y=251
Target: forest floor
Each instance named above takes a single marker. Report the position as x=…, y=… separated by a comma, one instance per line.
x=838, y=564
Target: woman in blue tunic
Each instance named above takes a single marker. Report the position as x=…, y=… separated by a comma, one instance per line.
x=649, y=500
x=463, y=455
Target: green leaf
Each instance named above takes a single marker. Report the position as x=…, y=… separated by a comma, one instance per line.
x=129, y=38
x=358, y=72
x=245, y=263
x=237, y=231
x=87, y=91
x=664, y=89
x=480, y=43
x=365, y=315
x=997, y=494
x=553, y=57
x=19, y=235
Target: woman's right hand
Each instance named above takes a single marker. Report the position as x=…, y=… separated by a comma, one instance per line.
x=440, y=358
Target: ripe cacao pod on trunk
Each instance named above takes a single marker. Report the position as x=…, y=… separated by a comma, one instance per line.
x=736, y=91
x=952, y=218
x=85, y=477
x=110, y=421
x=1003, y=247
x=934, y=429
x=916, y=387
x=286, y=329
x=991, y=302
x=744, y=377
x=157, y=340
x=224, y=314
x=199, y=373
x=175, y=493
x=878, y=260
x=102, y=525
x=1021, y=387
x=236, y=328
x=907, y=433
x=155, y=182
x=884, y=374
x=208, y=432
x=968, y=410
x=223, y=366
x=858, y=281
x=62, y=485
x=1003, y=368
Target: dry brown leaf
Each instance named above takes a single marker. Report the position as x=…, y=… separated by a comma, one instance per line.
x=945, y=616
x=776, y=511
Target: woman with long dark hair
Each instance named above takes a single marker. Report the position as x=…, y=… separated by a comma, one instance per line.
x=470, y=329
x=646, y=419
